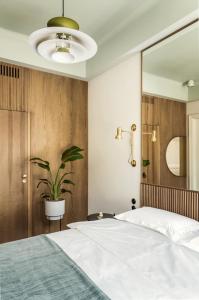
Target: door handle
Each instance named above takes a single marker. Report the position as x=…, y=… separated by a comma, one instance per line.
x=24, y=178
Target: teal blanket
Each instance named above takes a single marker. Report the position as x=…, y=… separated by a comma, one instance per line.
x=36, y=268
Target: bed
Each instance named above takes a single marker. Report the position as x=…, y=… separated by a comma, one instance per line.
x=107, y=259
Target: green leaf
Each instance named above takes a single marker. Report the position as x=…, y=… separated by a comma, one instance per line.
x=45, y=180
x=39, y=159
x=146, y=162
x=63, y=191
x=42, y=194
x=46, y=167
x=70, y=151
x=46, y=183
x=41, y=183
x=62, y=166
x=67, y=181
x=45, y=196
x=73, y=157
x=65, y=174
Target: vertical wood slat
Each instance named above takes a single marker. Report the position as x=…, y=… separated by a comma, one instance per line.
x=179, y=201
x=12, y=87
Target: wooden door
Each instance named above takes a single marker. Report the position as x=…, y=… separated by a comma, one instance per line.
x=14, y=175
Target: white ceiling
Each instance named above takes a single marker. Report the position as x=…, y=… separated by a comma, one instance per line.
x=176, y=58
x=96, y=17
x=118, y=26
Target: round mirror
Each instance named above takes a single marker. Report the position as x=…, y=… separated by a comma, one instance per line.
x=176, y=156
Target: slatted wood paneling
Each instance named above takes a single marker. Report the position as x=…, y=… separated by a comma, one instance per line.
x=180, y=201
x=12, y=89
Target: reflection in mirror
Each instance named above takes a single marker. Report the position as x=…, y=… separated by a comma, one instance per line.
x=193, y=151
x=176, y=156
x=150, y=154
x=170, y=105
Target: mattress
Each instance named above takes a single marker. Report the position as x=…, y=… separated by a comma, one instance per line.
x=127, y=261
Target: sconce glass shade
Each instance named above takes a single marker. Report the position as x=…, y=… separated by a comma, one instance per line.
x=154, y=138
x=119, y=134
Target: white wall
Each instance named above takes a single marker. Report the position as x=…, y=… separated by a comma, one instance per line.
x=192, y=108
x=164, y=87
x=194, y=93
x=193, y=145
x=114, y=100
x=193, y=152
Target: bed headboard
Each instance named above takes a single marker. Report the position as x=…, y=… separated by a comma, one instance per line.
x=180, y=201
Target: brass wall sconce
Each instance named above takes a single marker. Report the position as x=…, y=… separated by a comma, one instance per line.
x=153, y=134
x=119, y=136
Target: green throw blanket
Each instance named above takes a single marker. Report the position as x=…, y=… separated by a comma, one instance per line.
x=36, y=268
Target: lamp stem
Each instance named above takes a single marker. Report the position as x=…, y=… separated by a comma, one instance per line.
x=62, y=8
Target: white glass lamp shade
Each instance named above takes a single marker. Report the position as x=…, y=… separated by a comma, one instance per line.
x=45, y=42
x=119, y=133
x=191, y=83
x=63, y=57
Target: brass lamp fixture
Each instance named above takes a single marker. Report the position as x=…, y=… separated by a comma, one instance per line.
x=62, y=41
x=119, y=133
x=153, y=134
x=119, y=136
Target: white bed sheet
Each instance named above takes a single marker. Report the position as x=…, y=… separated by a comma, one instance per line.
x=132, y=262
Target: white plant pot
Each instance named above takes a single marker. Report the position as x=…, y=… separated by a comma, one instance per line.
x=55, y=210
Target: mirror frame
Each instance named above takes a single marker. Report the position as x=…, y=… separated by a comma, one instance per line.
x=166, y=153
x=142, y=54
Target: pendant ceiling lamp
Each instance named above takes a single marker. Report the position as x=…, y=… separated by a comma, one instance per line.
x=62, y=42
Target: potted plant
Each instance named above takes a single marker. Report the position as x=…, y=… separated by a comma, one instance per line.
x=56, y=185
x=145, y=163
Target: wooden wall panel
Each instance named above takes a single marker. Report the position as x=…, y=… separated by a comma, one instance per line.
x=14, y=161
x=170, y=117
x=179, y=201
x=58, y=119
x=80, y=137
x=58, y=107
x=12, y=89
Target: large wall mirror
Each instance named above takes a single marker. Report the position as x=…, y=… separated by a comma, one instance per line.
x=170, y=110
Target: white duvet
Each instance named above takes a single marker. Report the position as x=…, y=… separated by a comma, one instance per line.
x=132, y=262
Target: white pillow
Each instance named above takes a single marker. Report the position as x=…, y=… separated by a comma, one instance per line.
x=191, y=242
x=174, y=226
